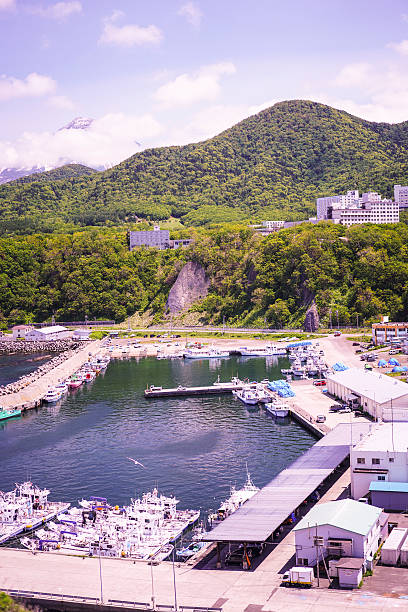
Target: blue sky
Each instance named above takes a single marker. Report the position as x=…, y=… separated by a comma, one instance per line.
x=163, y=72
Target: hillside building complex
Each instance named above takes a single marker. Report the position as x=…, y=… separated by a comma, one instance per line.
x=351, y=208
x=380, y=456
x=156, y=238
x=401, y=195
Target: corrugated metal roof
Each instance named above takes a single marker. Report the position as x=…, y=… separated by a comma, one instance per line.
x=377, y=387
x=52, y=329
x=346, y=514
x=391, y=487
x=259, y=517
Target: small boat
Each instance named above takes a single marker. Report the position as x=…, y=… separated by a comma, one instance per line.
x=62, y=387
x=9, y=413
x=248, y=396
x=192, y=549
x=74, y=383
x=52, y=395
x=278, y=408
x=202, y=353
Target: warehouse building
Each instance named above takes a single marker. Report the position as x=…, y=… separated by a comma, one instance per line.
x=380, y=395
x=19, y=331
x=54, y=332
x=382, y=456
x=343, y=528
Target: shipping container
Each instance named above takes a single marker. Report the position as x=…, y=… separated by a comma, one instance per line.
x=390, y=552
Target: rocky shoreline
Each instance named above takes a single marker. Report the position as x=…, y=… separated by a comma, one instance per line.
x=66, y=350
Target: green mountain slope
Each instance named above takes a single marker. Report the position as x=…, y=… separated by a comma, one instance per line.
x=271, y=165
x=68, y=171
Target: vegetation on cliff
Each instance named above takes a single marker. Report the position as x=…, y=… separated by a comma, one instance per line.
x=361, y=271
x=271, y=165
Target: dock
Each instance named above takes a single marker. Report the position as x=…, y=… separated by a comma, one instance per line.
x=216, y=389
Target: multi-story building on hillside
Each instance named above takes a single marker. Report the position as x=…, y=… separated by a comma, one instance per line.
x=401, y=195
x=352, y=208
x=157, y=238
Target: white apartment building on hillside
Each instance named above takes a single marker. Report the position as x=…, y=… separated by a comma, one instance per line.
x=352, y=208
x=401, y=195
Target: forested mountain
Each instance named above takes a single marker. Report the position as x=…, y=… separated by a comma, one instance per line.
x=66, y=172
x=360, y=271
x=271, y=165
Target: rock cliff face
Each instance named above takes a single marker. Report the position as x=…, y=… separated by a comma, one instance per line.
x=312, y=319
x=191, y=285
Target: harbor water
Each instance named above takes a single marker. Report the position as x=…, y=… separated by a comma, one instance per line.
x=194, y=447
x=13, y=367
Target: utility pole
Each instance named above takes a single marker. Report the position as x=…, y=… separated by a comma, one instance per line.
x=318, y=541
x=330, y=315
x=337, y=313
x=357, y=320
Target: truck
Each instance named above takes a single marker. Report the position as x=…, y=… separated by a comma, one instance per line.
x=298, y=576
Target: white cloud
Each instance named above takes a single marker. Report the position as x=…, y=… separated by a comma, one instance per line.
x=192, y=12
x=108, y=140
x=34, y=85
x=401, y=47
x=379, y=92
x=61, y=102
x=356, y=74
x=188, y=89
x=6, y=5
x=58, y=11
x=128, y=35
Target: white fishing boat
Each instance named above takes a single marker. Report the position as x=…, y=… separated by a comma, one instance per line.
x=248, y=396
x=278, y=408
x=25, y=508
x=52, y=395
x=205, y=353
x=237, y=498
x=267, y=351
x=62, y=387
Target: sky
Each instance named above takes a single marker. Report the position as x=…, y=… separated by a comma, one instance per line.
x=170, y=72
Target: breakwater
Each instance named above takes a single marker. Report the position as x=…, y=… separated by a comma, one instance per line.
x=26, y=380
x=64, y=366
x=25, y=347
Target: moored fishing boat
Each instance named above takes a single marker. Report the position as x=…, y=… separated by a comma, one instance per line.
x=9, y=413
x=52, y=395
x=278, y=408
x=236, y=499
x=248, y=396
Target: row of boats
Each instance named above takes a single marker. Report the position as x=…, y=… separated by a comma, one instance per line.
x=85, y=374
x=307, y=361
x=216, y=353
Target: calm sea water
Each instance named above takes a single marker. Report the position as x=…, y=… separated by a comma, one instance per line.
x=13, y=367
x=192, y=447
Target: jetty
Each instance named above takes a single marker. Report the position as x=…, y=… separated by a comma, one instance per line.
x=215, y=389
x=32, y=394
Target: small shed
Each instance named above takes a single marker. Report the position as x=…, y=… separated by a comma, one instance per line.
x=350, y=572
x=19, y=331
x=392, y=496
x=81, y=334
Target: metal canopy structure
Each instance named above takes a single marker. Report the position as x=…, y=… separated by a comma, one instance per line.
x=259, y=517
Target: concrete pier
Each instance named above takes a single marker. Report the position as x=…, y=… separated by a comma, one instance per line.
x=30, y=396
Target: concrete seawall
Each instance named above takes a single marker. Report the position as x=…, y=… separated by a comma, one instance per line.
x=31, y=395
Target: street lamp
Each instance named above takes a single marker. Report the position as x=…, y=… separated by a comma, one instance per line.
x=151, y=563
x=100, y=567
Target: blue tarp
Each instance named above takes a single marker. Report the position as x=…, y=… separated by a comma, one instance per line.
x=382, y=363
x=282, y=388
x=339, y=366
x=393, y=361
x=300, y=343
x=397, y=369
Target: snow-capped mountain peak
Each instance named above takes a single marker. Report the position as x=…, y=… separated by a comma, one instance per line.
x=79, y=123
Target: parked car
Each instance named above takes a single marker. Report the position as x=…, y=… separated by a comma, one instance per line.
x=337, y=333
x=345, y=409
x=319, y=383
x=359, y=350
x=320, y=418
x=356, y=344
x=336, y=408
